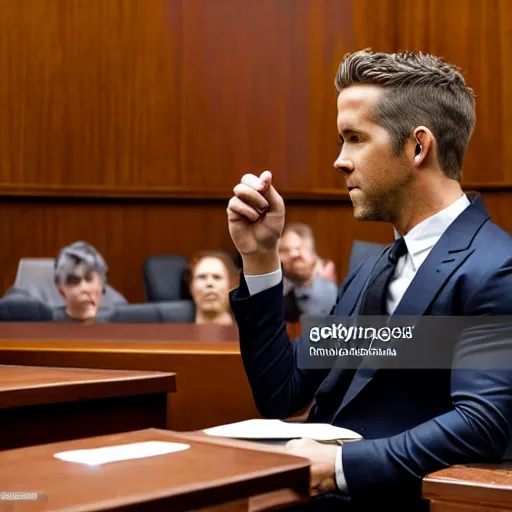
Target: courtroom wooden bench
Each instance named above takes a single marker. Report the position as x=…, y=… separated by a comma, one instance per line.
x=212, y=385
x=470, y=488
x=208, y=474
x=44, y=405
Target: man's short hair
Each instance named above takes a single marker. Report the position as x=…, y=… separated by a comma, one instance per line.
x=421, y=90
x=303, y=231
x=79, y=253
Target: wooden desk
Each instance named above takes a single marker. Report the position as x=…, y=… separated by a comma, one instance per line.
x=205, y=475
x=44, y=405
x=65, y=331
x=212, y=385
x=264, y=502
x=470, y=488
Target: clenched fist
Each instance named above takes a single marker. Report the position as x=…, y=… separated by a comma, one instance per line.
x=256, y=220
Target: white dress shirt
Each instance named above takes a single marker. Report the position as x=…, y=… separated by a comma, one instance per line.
x=419, y=241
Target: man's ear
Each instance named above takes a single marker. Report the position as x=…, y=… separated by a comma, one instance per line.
x=421, y=145
x=61, y=291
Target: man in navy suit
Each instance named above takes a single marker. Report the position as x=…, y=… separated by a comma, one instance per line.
x=404, y=124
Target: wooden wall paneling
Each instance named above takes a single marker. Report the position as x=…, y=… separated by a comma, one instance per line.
x=179, y=98
x=475, y=35
x=127, y=232
x=170, y=97
x=124, y=232
x=143, y=106
x=89, y=95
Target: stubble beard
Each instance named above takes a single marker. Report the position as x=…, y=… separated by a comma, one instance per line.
x=385, y=205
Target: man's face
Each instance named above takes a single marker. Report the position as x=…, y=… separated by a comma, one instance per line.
x=82, y=291
x=378, y=181
x=297, y=257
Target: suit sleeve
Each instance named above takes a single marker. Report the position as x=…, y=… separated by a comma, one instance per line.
x=477, y=429
x=280, y=389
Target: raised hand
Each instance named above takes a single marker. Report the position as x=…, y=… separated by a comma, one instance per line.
x=256, y=216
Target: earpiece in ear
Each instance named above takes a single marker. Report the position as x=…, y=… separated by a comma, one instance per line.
x=417, y=151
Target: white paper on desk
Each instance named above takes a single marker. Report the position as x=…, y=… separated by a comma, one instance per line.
x=97, y=456
x=277, y=429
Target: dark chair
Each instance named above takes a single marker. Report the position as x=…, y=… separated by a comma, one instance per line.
x=23, y=309
x=164, y=278
x=136, y=313
x=177, y=311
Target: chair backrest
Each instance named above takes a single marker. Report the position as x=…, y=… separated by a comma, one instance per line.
x=164, y=278
x=361, y=251
x=24, y=309
x=36, y=277
x=176, y=311
x=136, y=313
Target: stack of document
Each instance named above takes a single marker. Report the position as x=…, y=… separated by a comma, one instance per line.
x=277, y=430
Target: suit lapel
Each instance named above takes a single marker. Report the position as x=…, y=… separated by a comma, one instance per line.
x=445, y=258
x=427, y=283
x=350, y=301
x=430, y=279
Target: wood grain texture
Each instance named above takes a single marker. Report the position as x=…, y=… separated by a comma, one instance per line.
x=203, y=475
x=212, y=387
x=480, y=487
x=128, y=232
x=22, y=385
x=41, y=405
x=154, y=110
x=167, y=95
x=178, y=98
x=32, y=425
x=451, y=506
x=208, y=338
x=480, y=43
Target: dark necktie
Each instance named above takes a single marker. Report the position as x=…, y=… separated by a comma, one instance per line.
x=375, y=298
x=374, y=303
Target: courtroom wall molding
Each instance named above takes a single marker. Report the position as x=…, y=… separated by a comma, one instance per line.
x=210, y=194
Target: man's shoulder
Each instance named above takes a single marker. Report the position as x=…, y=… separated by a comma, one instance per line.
x=493, y=245
x=487, y=274
x=490, y=230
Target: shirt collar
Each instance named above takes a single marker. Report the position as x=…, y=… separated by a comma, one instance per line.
x=422, y=237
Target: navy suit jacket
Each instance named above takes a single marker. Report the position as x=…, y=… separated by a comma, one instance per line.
x=413, y=421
